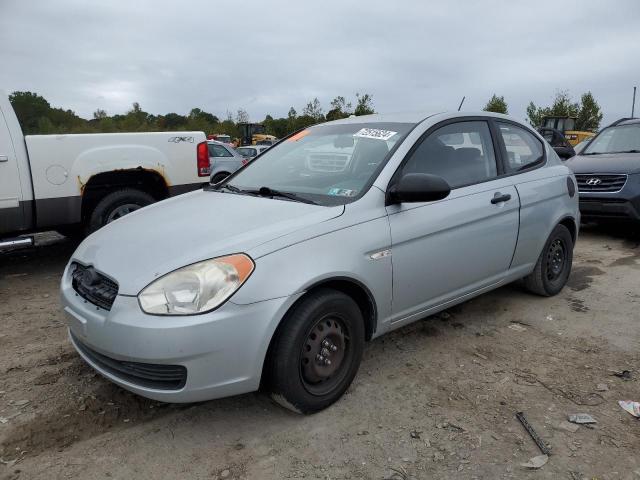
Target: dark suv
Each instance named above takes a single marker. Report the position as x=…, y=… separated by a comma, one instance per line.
x=608, y=173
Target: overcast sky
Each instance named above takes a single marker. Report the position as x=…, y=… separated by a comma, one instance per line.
x=270, y=55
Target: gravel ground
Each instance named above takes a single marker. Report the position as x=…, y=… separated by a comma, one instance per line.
x=436, y=399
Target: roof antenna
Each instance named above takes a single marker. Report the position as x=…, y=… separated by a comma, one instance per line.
x=461, y=102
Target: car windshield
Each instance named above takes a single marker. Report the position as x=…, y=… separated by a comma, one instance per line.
x=326, y=164
x=618, y=139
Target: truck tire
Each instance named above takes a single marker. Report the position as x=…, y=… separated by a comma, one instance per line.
x=115, y=205
x=316, y=353
x=553, y=267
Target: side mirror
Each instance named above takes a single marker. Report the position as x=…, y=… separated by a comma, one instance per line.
x=565, y=152
x=418, y=187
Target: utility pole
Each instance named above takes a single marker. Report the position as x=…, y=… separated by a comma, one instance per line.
x=633, y=105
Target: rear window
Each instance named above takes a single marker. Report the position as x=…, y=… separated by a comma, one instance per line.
x=247, y=152
x=218, y=151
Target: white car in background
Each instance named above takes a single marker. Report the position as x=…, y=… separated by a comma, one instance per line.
x=251, y=151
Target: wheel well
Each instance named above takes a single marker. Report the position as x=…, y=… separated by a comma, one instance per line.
x=571, y=226
x=354, y=289
x=360, y=294
x=102, y=184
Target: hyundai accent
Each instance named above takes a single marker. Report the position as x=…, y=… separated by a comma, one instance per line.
x=276, y=277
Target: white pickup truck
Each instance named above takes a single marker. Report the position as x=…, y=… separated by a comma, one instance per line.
x=78, y=183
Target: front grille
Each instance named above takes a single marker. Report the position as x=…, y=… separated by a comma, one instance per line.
x=147, y=375
x=600, y=183
x=321, y=162
x=93, y=286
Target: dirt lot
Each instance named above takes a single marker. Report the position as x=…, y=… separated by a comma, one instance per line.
x=433, y=400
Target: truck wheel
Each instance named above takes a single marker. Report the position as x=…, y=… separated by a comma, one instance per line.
x=117, y=204
x=218, y=177
x=553, y=267
x=316, y=353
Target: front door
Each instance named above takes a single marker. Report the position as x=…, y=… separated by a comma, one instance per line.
x=445, y=249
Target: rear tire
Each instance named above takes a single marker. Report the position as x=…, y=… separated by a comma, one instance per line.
x=553, y=267
x=117, y=204
x=218, y=177
x=316, y=353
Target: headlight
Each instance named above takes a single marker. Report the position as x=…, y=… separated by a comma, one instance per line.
x=196, y=288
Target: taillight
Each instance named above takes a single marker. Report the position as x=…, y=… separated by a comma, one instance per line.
x=245, y=161
x=204, y=167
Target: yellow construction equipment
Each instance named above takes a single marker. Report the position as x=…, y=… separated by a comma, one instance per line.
x=254, y=133
x=567, y=125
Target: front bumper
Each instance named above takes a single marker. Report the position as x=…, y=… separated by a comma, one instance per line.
x=621, y=205
x=221, y=352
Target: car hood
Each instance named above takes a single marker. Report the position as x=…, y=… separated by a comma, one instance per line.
x=162, y=237
x=606, y=163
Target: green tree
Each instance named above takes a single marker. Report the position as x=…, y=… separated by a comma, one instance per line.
x=99, y=114
x=496, y=104
x=339, y=109
x=30, y=108
x=563, y=106
x=291, y=120
x=587, y=113
x=242, y=116
x=534, y=115
x=313, y=109
x=590, y=114
x=202, y=115
x=172, y=121
x=364, y=104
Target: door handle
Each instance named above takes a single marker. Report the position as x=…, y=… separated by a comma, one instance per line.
x=500, y=197
x=4, y=158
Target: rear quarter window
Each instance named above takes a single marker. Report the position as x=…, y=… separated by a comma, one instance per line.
x=524, y=150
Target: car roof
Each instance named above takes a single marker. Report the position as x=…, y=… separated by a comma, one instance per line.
x=415, y=117
x=215, y=142
x=626, y=121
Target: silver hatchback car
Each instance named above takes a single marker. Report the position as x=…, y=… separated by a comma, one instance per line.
x=277, y=276
x=224, y=160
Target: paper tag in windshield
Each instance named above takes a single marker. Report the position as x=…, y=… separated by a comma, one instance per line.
x=342, y=192
x=374, y=133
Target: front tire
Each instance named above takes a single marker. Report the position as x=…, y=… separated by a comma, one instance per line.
x=316, y=352
x=553, y=267
x=117, y=204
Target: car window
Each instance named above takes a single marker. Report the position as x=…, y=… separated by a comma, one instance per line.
x=617, y=139
x=218, y=151
x=247, y=152
x=523, y=148
x=461, y=153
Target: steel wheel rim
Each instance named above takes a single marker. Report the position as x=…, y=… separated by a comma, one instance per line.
x=556, y=259
x=325, y=355
x=121, y=211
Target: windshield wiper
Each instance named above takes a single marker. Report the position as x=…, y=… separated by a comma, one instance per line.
x=627, y=151
x=594, y=153
x=231, y=188
x=270, y=192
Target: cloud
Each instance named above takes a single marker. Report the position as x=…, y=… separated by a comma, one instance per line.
x=268, y=56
